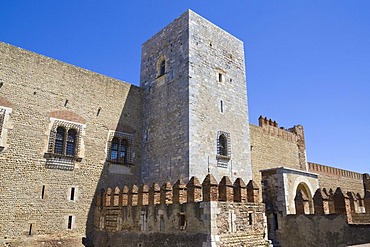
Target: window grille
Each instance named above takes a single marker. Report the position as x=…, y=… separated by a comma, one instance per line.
x=120, y=146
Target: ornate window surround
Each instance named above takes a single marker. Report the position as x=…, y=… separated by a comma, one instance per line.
x=63, y=160
x=129, y=141
x=4, y=120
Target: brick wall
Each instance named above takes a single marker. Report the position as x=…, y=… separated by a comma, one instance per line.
x=272, y=146
x=331, y=177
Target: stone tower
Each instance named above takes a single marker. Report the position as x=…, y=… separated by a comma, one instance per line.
x=195, y=112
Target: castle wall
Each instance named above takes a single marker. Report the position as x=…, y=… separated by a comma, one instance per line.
x=39, y=89
x=331, y=177
x=275, y=147
x=316, y=230
x=211, y=214
x=162, y=225
x=217, y=102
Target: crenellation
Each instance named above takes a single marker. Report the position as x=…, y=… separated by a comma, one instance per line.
x=143, y=195
x=154, y=194
x=301, y=203
x=226, y=190
x=166, y=193
x=194, y=190
x=133, y=195
x=321, y=203
x=179, y=192
x=240, y=191
x=210, y=188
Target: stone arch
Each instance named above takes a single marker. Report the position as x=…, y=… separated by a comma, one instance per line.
x=303, y=184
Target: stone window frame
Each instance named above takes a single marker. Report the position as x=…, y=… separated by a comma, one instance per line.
x=221, y=155
x=122, y=137
x=4, y=118
x=63, y=160
x=161, y=66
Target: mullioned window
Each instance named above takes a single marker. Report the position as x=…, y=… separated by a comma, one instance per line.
x=64, y=145
x=120, y=148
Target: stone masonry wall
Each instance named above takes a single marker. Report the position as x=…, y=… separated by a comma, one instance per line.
x=39, y=88
x=166, y=106
x=193, y=214
x=217, y=101
x=316, y=230
x=330, y=177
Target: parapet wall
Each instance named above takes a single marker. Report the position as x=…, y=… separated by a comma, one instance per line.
x=331, y=177
x=181, y=214
x=354, y=206
x=339, y=219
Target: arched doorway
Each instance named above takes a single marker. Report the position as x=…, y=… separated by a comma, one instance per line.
x=306, y=190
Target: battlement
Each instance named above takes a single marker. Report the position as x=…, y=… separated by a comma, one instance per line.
x=332, y=171
x=179, y=193
x=182, y=213
x=272, y=128
x=355, y=207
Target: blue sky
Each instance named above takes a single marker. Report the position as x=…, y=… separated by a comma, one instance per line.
x=308, y=62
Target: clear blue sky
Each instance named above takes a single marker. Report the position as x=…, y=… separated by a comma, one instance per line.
x=308, y=62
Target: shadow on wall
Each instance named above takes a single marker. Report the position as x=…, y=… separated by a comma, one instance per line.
x=123, y=166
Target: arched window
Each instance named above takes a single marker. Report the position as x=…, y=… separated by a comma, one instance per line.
x=122, y=151
x=114, y=149
x=162, y=68
x=59, y=141
x=71, y=142
x=222, y=145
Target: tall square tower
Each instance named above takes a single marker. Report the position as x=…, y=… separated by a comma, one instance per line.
x=195, y=108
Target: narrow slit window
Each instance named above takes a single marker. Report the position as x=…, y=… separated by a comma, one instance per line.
x=222, y=106
x=30, y=230
x=162, y=68
x=219, y=77
x=43, y=192
x=250, y=219
x=72, y=196
x=182, y=221
x=69, y=226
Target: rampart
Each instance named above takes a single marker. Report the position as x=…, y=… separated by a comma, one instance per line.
x=192, y=214
x=339, y=219
x=274, y=146
x=331, y=177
